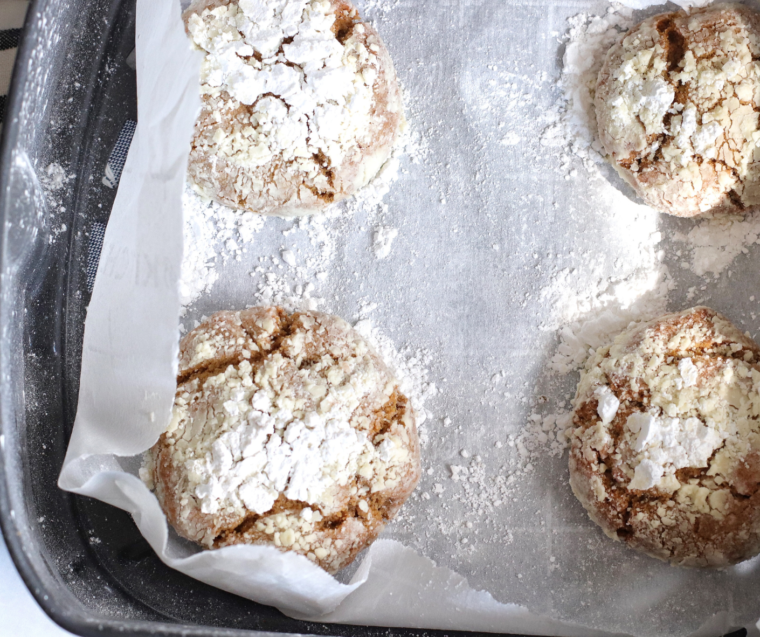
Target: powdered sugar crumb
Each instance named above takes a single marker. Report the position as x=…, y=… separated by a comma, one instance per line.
x=382, y=241
x=54, y=177
x=53, y=180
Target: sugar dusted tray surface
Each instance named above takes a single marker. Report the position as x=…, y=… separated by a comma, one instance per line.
x=484, y=266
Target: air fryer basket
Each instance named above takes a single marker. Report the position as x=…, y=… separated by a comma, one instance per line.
x=84, y=561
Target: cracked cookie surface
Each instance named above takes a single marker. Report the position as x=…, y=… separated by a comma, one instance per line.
x=677, y=103
x=300, y=104
x=286, y=430
x=665, y=454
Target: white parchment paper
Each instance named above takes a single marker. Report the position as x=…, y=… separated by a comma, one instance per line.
x=473, y=217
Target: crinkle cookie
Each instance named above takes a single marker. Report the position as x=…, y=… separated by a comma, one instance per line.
x=300, y=104
x=665, y=454
x=287, y=430
x=677, y=103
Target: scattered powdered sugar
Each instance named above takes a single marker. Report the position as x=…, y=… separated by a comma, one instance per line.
x=54, y=177
x=378, y=8
x=574, y=133
x=504, y=102
x=382, y=241
x=481, y=491
x=410, y=367
x=212, y=234
x=294, y=285
x=544, y=435
x=53, y=180
x=611, y=314
x=198, y=273
x=480, y=488
x=713, y=244
x=645, y=4
x=593, y=302
x=309, y=270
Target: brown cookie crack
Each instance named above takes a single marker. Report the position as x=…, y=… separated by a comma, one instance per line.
x=700, y=515
x=236, y=158
x=707, y=165
x=232, y=363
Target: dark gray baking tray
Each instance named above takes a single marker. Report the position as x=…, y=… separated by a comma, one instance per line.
x=84, y=561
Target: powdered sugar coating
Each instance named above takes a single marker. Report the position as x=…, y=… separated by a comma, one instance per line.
x=608, y=404
x=301, y=106
x=676, y=104
x=286, y=430
x=675, y=473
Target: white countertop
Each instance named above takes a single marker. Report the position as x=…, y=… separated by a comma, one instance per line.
x=20, y=613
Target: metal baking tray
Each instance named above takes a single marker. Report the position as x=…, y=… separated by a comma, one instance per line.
x=84, y=561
